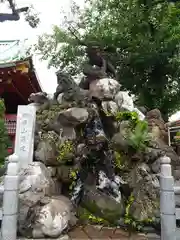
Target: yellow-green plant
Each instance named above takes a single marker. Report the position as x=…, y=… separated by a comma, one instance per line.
x=130, y=221
x=64, y=150
x=85, y=215
x=127, y=116
x=118, y=160
x=127, y=218
x=73, y=176
x=123, y=116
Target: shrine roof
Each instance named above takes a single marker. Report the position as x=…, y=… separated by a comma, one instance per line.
x=12, y=51
x=18, y=77
x=15, y=52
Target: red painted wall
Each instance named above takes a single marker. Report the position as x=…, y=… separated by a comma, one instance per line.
x=10, y=121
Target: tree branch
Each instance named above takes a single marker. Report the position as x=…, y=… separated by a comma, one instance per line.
x=14, y=16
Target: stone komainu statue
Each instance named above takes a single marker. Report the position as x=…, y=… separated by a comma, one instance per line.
x=65, y=83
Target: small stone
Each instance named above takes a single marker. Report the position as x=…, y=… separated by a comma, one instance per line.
x=52, y=171
x=46, y=150
x=65, y=237
x=63, y=173
x=110, y=107
x=176, y=174
x=73, y=116
x=156, y=166
x=124, y=101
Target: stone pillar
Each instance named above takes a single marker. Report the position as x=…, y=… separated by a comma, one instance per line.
x=167, y=201
x=10, y=200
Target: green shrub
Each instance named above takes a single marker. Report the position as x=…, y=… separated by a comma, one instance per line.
x=4, y=139
x=119, y=164
x=139, y=137
x=127, y=116
x=64, y=150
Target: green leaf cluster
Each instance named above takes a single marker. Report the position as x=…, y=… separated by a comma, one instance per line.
x=142, y=41
x=137, y=134
x=139, y=137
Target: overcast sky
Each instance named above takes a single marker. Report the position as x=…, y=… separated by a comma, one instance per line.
x=49, y=14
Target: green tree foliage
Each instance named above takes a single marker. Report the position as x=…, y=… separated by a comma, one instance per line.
x=142, y=39
x=4, y=140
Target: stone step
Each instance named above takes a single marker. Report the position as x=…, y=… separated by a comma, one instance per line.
x=153, y=236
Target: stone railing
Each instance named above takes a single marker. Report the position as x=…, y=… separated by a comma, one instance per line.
x=23, y=155
x=169, y=212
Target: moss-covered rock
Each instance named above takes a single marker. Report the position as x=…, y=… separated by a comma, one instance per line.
x=102, y=205
x=46, y=151
x=145, y=193
x=87, y=217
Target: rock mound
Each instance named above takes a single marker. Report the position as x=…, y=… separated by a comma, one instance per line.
x=96, y=157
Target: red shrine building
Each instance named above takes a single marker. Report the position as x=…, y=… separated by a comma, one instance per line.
x=18, y=79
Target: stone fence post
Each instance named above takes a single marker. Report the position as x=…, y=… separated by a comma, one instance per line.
x=10, y=200
x=23, y=155
x=167, y=201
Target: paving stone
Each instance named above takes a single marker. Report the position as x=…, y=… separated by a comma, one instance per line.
x=121, y=232
x=89, y=232
x=153, y=236
x=78, y=234
x=107, y=232
x=96, y=233
x=140, y=236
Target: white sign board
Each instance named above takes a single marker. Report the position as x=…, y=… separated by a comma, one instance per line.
x=25, y=127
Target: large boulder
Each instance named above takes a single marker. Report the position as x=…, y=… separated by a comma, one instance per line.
x=124, y=101
x=105, y=88
x=35, y=184
x=157, y=125
x=168, y=151
x=102, y=204
x=119, y=142
x=52, y=217
x=73, y=116
x=109, y=107
x=63, y=173
x=145, y=193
